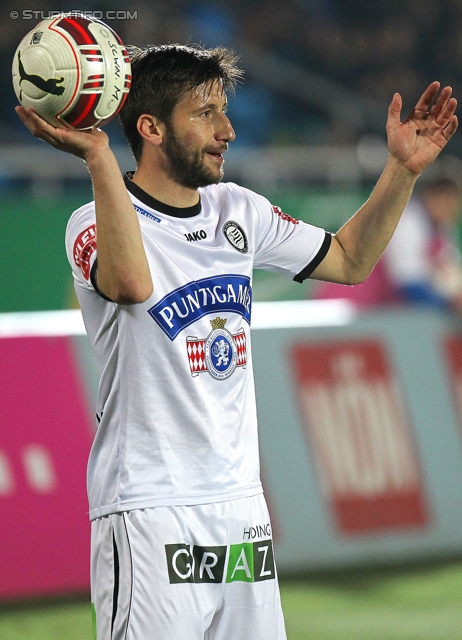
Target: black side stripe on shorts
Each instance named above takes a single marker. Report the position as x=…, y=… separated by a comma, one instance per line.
x=115, y=595
x=131, y=565
x=319, y=257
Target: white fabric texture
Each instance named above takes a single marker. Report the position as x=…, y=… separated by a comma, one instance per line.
x=191, y=573
x=176, y=407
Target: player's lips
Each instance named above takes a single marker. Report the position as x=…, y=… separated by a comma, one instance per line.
x=216, y=156
x=217, y=153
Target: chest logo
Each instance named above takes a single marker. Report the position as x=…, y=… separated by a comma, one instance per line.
x=235, y=236
x=213, y=295
x=219, y=353
x=195, y=235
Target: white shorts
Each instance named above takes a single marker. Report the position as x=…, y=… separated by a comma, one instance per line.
x=186, y=573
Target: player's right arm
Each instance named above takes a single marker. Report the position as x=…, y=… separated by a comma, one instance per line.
x=123, y=273
x=413, y=145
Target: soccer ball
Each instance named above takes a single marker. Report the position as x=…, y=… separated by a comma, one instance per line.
x=73, y=70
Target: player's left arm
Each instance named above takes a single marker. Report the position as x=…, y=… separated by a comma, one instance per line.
x=413, y=145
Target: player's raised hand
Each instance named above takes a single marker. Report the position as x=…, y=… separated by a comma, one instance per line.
x=79, y=143
x=417, y=141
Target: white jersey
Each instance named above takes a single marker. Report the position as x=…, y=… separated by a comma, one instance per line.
x=176, y=407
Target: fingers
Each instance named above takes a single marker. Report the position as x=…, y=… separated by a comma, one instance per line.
x=39, y=127
x=441, y=112
x=78, y=143
x=29, y=116
x=427, y=97
x=444, y=112
x=444, y=105
x=25, y=117
x=394, y=111
x=450, y=128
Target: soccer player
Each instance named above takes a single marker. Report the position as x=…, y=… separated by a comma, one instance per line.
x=162, y=261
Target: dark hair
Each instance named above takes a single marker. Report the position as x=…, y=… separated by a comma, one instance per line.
x=162, y=75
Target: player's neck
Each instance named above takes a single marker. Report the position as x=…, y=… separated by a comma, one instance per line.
x=161, y=187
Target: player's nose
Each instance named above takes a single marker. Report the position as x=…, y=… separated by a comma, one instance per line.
x=225, y=129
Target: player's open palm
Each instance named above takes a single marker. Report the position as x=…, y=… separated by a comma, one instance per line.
x=417, y=141
x=79, y=143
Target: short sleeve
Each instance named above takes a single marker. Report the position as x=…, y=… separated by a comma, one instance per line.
x=81, y=244
x=285, y=245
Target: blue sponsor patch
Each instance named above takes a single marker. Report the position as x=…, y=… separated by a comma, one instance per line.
x=145, y=213
x=216, y=294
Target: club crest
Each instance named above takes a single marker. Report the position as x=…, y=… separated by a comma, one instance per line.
x=219, y=353
x=235, y=236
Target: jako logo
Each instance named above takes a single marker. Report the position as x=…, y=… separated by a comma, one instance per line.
x=195, y=235
x=245, y=562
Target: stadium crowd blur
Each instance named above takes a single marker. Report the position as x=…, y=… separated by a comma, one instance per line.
x=369, y=48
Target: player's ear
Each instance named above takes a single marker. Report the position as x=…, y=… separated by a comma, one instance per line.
x=150, y=129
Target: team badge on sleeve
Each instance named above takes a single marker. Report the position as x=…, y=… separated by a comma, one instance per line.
x=84, y=247
x=219, y=354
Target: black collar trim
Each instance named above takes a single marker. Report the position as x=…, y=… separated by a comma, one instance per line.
x=157, y=205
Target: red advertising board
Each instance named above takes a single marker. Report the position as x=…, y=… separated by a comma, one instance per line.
x=44, y=444
x=453, y=350
x=359, y=435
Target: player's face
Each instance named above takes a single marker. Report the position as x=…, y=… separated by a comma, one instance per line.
x=197, y=138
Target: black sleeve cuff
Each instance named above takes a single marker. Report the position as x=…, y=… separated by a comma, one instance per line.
x=319, y=257
x=94, y=282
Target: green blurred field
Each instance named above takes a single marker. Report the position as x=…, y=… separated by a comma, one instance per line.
x=422, y=603
x=412, y=604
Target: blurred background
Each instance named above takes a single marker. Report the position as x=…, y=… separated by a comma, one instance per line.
x=309, y=117
x=373, y=551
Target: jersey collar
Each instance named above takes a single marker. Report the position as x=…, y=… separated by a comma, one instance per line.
x=157, y=205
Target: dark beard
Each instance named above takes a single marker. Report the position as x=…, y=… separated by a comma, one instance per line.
x=186, y=166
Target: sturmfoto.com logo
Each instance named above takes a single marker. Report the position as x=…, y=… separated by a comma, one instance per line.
x=244, y=562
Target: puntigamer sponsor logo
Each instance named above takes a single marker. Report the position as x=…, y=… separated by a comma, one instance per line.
x=244, y=562
x=216, y=294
